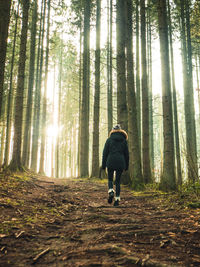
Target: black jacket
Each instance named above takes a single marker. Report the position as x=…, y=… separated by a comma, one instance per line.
x=115, y=153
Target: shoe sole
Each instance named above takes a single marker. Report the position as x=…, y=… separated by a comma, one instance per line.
x=110, y=199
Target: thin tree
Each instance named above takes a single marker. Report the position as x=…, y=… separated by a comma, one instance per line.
x=44, y=111
x=121, y=69
x=28, y=119
x=145, y=99
x=58, y=154
x=134, y=149
x=4, y=25
x=193, y=166
x=175, y=115
x=16, y=163
x=95, y=150
x=168, y=177
x=10, y=95
x=39, y=71
x=138, y=87
x=84, y=146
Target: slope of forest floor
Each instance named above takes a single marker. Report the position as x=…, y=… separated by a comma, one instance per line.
x=68, y=222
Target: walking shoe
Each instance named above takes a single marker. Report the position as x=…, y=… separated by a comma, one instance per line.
x=116, y=203
x=110, y=197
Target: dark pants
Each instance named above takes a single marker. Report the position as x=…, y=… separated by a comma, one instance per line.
x=117, y=180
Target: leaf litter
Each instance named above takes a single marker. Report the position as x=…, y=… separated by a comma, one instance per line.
x=68, y=222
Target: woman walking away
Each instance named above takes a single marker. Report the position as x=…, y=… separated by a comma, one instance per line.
x=115, y=158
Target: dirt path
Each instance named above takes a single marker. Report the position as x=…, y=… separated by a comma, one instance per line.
x=69, y=223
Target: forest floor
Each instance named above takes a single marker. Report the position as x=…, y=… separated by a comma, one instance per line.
x=68, y=222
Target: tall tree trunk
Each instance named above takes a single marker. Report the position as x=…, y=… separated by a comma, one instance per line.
x=193, y=170
x=134, y=149
x=58, y=154
x=4, y=25
x=44, y=111
x=168, y=177
x=28, y=119
x=188, y=100
x=10, y=96
x=110, y=97
x=145, y=99
x=109, y=89
x=53, y=165
x=138, y=87
x=95, y=150
x=151, y=134
x=84, y=148
x=121, y=71
x=80, y=94
x=175, y=115
x=36, y=120
x=16, y=163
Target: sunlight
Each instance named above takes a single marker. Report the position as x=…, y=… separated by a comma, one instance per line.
x=52, y=131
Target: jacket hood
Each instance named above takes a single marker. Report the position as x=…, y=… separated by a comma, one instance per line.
x=119, y=131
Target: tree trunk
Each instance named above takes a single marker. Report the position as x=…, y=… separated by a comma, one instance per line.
x=58, y=154
x=168, y=177
x=109, y=61
x=16, y=163
x=4, y=25
x=193, y=168
x=10, y=97
x=28, y=119
x=95, y=150
x=145, y=99
x=121, y=72
x=80, y=94
x=84, y=147
x=149, y=48
x=36, y=120
x=44, y=111
x=138, y=87
x=175, y=115
x=134, y=149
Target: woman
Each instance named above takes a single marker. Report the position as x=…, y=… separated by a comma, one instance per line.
x=115, y=158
